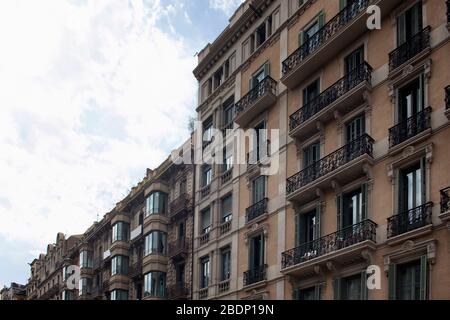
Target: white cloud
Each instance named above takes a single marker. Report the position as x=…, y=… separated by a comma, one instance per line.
x=92, y=93
x=227, y=6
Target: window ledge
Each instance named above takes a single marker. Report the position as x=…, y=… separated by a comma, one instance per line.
x=420, y=232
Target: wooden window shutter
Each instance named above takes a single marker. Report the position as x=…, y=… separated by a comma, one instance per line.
x=423, y=278
x=364, y=289
x=392, y=278
x=337, y=288
x=339, y=209
x=365, y=201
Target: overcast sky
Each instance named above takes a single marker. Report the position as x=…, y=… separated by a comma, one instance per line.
x=92, y=92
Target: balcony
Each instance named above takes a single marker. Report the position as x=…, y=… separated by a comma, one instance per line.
x=410, y=49
x=203, y=293
x=347, y=91
x=136, y=233
x=256, y=210
x=412, y=127
x=179, y=249
x=226, y=176
x=255, y=275
x=178, y=291
x=204, y=238
x=225, y=227
x=256, y=101
x=336, y=35
x=180, y=206
x=344, y=245
x=344, y=165
x=223, y=286
x=205, y=191
x=410, y=220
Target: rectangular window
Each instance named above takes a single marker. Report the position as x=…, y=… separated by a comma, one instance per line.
x=311, y=154
x=155, y=284
x=410, y=99
x=180, y=274
x=208, y=129
x=120, y=231
x=68, y=295
x=412, y=187
x=306, y=228
x=85, y=286
x=352, y=208
x=228, y=111
x=117, y=295
x=183, y=187
x=225, y=266
x=258, y=189
x=409, y=23
x=206, y=221
x=227, y=159
x=204, y=272
x=156, y=243
x=256, y=252
x=119, y=265
x=355, y=128
x=156, y=203
x=311, y=92
x=227, y=211
x=354, y=60
x=305, y=294
x=86, y=259
x=351, y=288
x=206, y=175
x=260, y=35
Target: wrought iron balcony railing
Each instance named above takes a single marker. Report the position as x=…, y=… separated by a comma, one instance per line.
x=354, y=149
x=409, y=220
x=180, y=204
x=445, y=200
x=256, y=210
x=135, y=270
x=179, y=247
x=408, y=50
x=359, y=75
x=447, y=98
x=267, y=85
x=336, y=24
x=410, y=128
x=357, y=233
x=255, y=275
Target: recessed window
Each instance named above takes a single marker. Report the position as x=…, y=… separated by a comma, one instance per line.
x=409, y=23
x=206, y=220
x=227, y=210
x=206, y=175
x=204, y=272
x=225, y=264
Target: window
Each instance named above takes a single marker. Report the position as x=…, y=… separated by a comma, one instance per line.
x=409, y=23
x=352, y=207
x=156, y=203
x=310, y=92
x=309, y=35
x=227, y=159
x=256, y=252
x=179, y=274
x=208, y=129
x=66, y=273
x=227, y=210
x=312, y=293
x=311, y=154
x=155, y=284
x=67, y=295
x=355, y=128
x=351, y=288
x=225, y=264
x=307, y=227
x=260, y=34
x=86, y=259
x=204, y=272
x=410, y=99
x=181, y=230
x=85, y=285
x=260, y=137
x=206, y=175
x=156, y=243
x=121, y=231
x=258, y=189
x=228, y=111
x=259, y=76
x=206, y=221
x=183, y=186
x=409, y=281
x=218, y=77
x=119, y=265
x=412, y=187
x=354, y=60
x=119, y=295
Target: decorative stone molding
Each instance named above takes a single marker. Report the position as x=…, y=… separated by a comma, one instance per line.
x=367, y=256
x=411, y=250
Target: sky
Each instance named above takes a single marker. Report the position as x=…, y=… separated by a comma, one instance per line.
x=92, y=92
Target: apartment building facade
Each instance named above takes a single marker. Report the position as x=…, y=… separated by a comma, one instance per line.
x=362, y=146
x=15, y=291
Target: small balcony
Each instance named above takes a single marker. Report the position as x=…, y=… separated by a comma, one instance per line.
x=412, y=127
x=445, y=205
x=223, y=286
x=203, y=293
x=256, y=210
x=410, y=220
x=204, y=238
x=410, y=49
x=179, y=291
x=205, y=191
x=344, y=245
x=179, y=249
x=347, y=91
x=225, y=227
x=180, y=206
x=337, y=34
x=136, y=233
x=344, y=165
x=256, y=101
x=226, y=176
x=255, y=275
